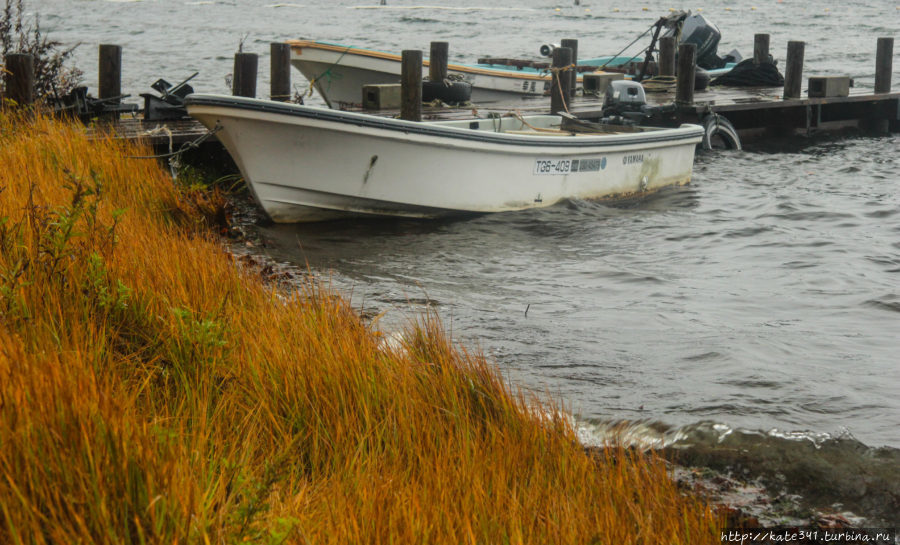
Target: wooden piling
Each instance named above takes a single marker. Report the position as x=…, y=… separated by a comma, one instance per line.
x=437, y=61
x=760, y=48
x=667, y=56
x=884, y=65
x=560, y=85
x=110, y=71
x=19, y=78
x=243, y=82
x=793, y=72
x=573, y=45
x=280, y=71
x=684, y=87
x=411, y=85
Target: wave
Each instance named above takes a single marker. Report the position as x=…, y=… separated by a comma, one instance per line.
x=818, y=470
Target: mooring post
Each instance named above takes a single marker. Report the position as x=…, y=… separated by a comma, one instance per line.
x=760, y=48
x=110, y=72
x=573, y=45
x=667, y=56
x=793, y=72
x=19, y=78
x=437, y=61
x=684, y=87
x=560, y=81
x=280, y=71
x=411, y=85
x=243, y=82
x=884, y=65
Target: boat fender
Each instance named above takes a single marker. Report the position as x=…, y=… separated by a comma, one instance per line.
x=449, y=92
x=718, y=131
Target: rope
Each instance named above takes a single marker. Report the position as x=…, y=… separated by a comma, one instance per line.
x=184, y=147
x=562, y=95
x=327, y=72
x=626, y=47
x=173, y=156
x=518, y=115
x=659, y=84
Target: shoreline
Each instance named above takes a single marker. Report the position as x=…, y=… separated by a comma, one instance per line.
x=745, y=482
x=155, y=392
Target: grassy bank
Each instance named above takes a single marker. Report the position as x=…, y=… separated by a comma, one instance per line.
x=151, y=391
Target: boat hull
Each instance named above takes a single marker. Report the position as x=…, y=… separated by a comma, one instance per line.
x=309, y=164
x=339, y=72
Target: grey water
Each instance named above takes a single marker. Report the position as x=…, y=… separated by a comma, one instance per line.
x=763, y=298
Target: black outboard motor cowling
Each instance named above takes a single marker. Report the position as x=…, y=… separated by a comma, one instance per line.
x=698, y=30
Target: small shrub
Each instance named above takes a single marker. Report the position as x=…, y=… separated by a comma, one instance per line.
x=52, y=76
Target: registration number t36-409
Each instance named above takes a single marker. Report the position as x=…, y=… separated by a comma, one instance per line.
x=552, y=166
x=566, y=166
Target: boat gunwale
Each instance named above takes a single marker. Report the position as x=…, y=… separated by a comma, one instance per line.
x=463, y=68
x=680, y=134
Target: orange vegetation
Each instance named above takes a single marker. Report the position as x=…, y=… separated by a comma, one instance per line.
x=152, y=391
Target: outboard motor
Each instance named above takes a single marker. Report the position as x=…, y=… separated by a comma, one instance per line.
x=625, y=103
x=698, y=30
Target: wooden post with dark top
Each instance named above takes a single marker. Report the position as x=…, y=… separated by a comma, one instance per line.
x=110, y=75
x=667, y=56
x=110, y=71
x=243, y=83
x=760, y=48
x=437, y=61
x=884, y=65
x=684, y=87
x=19, y=78
x=411, y=85
x=573, y=45
x=793, y=71
x=280, y=71
x=560, y=82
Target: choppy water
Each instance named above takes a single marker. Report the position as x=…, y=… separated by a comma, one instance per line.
x=764, y=297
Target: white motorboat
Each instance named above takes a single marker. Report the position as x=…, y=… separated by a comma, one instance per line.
x=307, y=163
x=338, y=73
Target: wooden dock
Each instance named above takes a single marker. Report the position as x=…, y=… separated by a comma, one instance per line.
x=751, y=111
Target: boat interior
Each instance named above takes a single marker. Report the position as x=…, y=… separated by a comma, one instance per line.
x=546, y=125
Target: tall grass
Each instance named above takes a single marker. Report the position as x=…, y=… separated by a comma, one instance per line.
x=152, y=391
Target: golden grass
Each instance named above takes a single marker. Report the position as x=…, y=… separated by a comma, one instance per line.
x=153, y=392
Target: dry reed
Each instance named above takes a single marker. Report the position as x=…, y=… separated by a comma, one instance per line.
x=151, y=391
